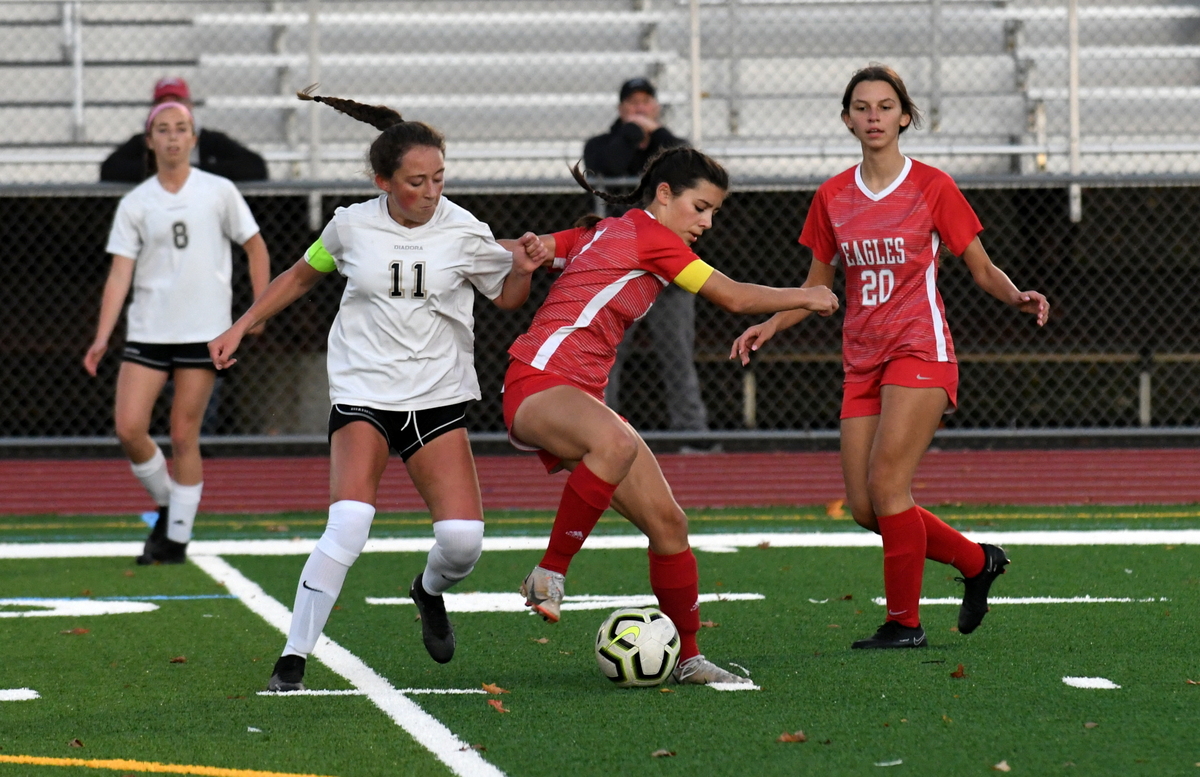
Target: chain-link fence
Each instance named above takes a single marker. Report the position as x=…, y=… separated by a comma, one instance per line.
x=1026, y=103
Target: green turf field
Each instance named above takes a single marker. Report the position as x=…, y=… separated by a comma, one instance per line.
x=178, y=684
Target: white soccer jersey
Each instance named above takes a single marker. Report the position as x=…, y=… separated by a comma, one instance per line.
x=404, y=335
x=183, y=267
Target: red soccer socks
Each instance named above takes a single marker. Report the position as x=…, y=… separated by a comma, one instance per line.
x=947, y=545
x=675, y=580
x=903, y=564
x=584, y=499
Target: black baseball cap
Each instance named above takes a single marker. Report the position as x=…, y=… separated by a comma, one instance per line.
x=638, y=84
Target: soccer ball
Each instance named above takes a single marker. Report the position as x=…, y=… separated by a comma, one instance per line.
x=637, y=647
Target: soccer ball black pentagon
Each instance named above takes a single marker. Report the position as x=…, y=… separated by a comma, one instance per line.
x=637, y=647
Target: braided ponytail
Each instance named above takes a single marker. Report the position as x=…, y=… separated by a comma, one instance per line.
x=681, y=168
x=397, y=138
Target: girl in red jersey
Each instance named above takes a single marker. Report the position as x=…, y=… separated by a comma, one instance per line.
x=554, y=388
x=885, y=221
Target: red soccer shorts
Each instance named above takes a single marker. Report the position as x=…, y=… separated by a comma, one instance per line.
x=523, y=381
x=861, y=397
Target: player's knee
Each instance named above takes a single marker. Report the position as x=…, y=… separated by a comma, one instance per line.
x=619, y=448
x=347, y=530
x=883, y=486
x=460, y=542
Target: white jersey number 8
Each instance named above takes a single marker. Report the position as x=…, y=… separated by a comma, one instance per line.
x=877, y=287
x=397, y=277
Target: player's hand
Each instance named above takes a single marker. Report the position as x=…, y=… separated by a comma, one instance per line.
x=91, y=359
x=1034, y=303
x=222, y=348
x=821, y=300
x=751, y=340
x=531, y=254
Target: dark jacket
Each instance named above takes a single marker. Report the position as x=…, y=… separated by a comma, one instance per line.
x=219, y=154
x=615, y=154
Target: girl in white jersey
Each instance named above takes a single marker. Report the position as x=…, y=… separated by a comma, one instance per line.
x=884, y=221
x=170, y=242
x=554, y=389
x=401, y=368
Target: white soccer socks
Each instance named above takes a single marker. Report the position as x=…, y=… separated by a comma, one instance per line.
x=154, y=478
x=325, y=571
x=185, y=501
x=456, y=548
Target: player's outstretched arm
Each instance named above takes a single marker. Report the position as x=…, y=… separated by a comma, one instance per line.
x=820, y=275
x=116, y=288
x=260, y=270
x=289, y=286
x=996, y=282
x=529, y=253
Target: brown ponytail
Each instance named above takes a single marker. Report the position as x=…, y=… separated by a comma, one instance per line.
x=681, y=167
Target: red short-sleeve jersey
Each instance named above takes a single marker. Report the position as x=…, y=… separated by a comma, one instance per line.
x=613, y=273
x=888, y=243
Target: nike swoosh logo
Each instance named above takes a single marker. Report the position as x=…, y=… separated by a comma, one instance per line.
x=309, y=587
x=180, y=522
x=922, y=377
x=897, y=612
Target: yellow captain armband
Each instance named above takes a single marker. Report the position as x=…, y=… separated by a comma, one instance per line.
x=694, y=276
x=320, y=259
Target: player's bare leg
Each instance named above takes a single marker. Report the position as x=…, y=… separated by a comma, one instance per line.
x=857, y=436
x=444, y=474
x=600, y=449
x=644, y=497
x=138, y=388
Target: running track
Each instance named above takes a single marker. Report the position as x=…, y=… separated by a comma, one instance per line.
x=265, y=485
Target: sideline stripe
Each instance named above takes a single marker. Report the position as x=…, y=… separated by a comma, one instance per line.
x=423, y=727
x=19, y=694
x=120, y=764
x=1041, y=600
x=855, y=539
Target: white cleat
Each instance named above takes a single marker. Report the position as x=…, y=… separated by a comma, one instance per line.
x=543, y=591
x=698, y=670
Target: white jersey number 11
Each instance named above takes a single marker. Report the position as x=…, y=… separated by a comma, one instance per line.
x=397, y=278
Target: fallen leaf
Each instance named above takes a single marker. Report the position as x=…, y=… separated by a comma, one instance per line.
x=1002, y=767
x=75, y=743
x=497, y=705
x=827, y=742
x=179, y=660
x=662, y=754
x=129, y=573
x=847, y=597
x=833, y=626
x=834, y=508
x=490, y=688
x=541, y=640
x=235, y=697
x=79, y=631
x=480, y=748
x=708, y=625
x=903, y=720
x=1090, y=724
x=796, y=736
x=947, y=719
x=958, y=674
x=954, y=629
x=1191, y=682
x=764, y=545
x=86, y=592
x=665, y=690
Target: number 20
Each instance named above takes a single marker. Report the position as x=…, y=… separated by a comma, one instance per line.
x=877, y=287
x=397, y=275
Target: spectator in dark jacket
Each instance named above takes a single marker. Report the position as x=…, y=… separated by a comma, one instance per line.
x=215, y=152
x=634, y=137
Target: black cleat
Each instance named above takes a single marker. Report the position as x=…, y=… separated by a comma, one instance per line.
x=974, y=603
x=288, y=674
x=893, y=635
x=160, y=550
x=436, y=630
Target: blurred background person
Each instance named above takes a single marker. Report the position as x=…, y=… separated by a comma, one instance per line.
x=215, y=152
x=636, y=137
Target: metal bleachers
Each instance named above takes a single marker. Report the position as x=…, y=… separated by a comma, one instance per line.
x=519, y=84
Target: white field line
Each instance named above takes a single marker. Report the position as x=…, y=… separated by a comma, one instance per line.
x=424, y=728
x=1040, y=600
x=852, y=539
x=19, y=694
x=505, y=602
x=70, y=607
x=1094, y=683
x=405, y=691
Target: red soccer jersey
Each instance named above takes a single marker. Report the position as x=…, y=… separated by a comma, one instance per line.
x=613, y=273
x=888, y=244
